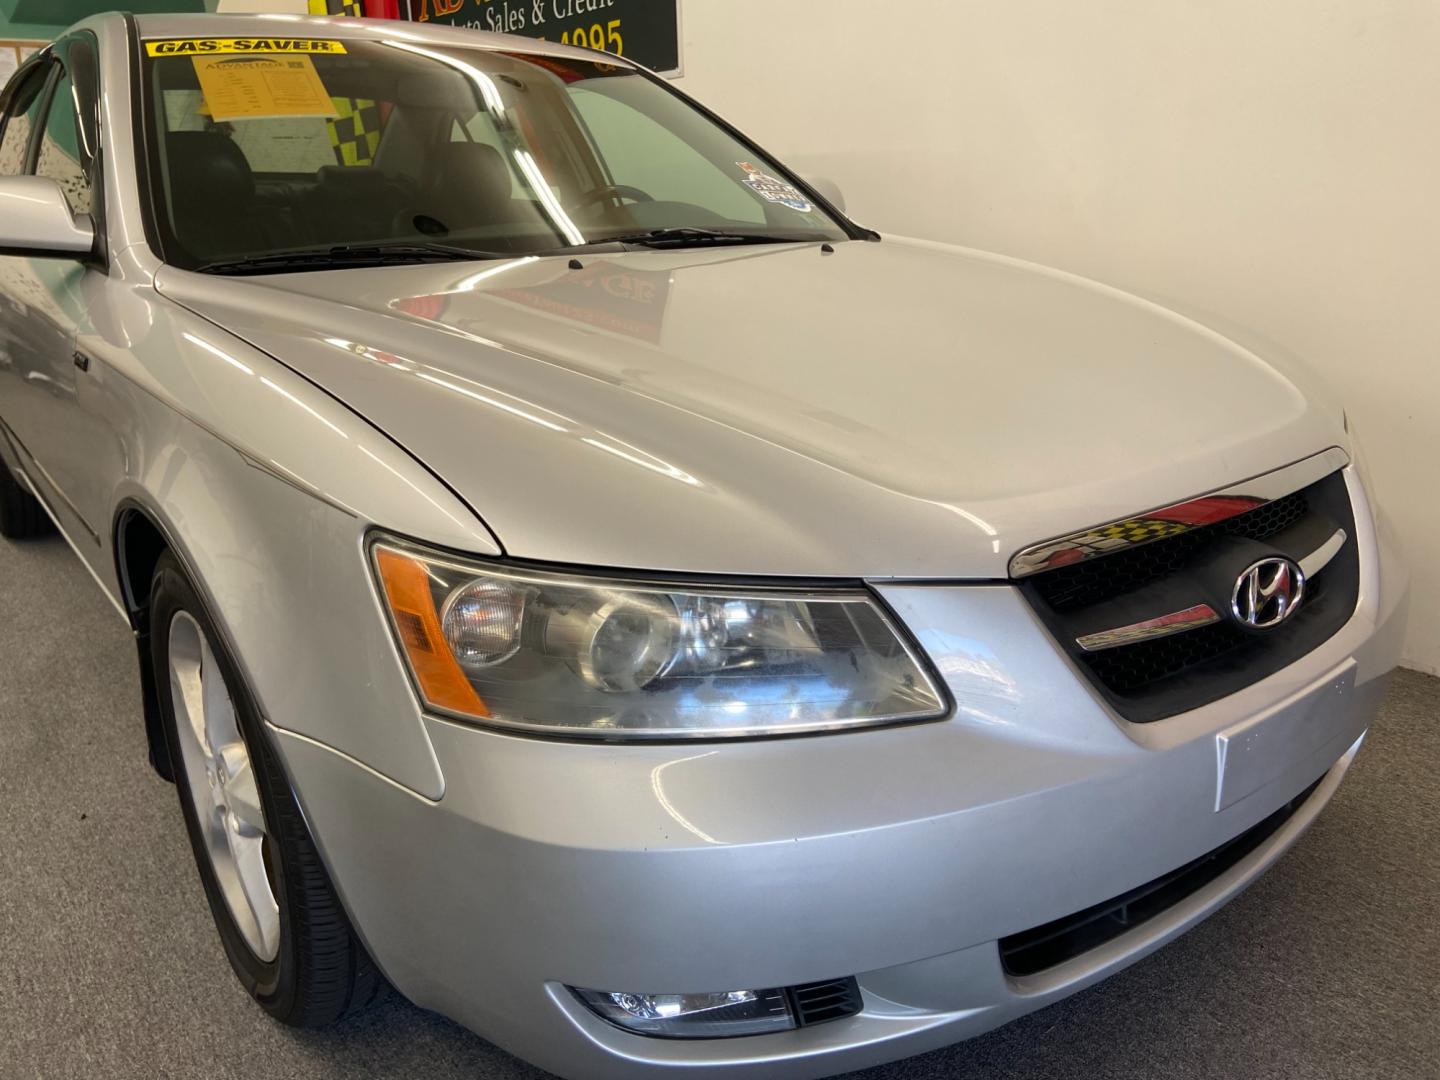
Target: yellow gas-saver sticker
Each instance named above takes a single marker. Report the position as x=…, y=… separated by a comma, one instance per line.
x=261, y=86
x=231, y=46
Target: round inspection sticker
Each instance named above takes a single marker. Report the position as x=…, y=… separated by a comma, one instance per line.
x=773, y=189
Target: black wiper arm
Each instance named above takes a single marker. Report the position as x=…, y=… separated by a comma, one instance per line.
x=680, y=236
x=347, y=255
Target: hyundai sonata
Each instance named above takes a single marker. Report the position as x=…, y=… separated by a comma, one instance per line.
x=583, y=579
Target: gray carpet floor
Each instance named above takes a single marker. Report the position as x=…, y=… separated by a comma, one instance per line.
x=1329, y=967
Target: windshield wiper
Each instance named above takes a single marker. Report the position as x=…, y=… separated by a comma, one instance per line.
x=346, y=256
x=688, y=235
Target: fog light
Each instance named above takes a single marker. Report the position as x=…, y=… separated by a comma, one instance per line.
x=694, y=1016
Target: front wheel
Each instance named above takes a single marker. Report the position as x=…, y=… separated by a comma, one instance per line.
x=282, y=926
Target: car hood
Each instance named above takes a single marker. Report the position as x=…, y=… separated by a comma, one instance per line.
x=894, y=409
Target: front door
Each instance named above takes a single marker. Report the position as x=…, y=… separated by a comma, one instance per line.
x=43, y=301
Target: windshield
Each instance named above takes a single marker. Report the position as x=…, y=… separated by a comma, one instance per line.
x=307, y=146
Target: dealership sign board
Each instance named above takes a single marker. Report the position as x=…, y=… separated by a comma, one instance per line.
x=646, y=31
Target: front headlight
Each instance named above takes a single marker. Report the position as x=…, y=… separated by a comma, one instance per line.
x=610, y=658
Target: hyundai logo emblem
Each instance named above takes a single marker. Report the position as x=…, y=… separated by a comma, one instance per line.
x=1267, y=593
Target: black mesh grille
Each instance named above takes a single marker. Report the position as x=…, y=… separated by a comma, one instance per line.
x=1130, y=669
x=1150, y=680
x=816, y=1003
x=1075, y=586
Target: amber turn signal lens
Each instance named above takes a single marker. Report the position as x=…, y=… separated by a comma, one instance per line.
x=407, y=588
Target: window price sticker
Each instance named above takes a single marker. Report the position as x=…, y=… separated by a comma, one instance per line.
x=254, y=87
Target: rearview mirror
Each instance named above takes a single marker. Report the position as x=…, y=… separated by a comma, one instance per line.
x=829, y=191
x=35, y=219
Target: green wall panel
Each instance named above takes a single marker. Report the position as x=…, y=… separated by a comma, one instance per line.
x=64, y=12
x=40, y=20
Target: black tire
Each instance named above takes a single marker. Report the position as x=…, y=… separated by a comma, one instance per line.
x=21, y=515
x=321, y=972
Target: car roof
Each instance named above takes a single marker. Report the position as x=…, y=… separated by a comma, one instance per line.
x=348, y=29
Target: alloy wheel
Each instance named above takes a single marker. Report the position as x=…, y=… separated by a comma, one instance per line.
x=222, y=787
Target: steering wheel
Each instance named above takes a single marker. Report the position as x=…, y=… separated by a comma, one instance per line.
x=610, y=191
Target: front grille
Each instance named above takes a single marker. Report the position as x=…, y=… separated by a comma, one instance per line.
x=1069, y=587
x=1152, y=679
x=1044, y=947
x=817, y=1003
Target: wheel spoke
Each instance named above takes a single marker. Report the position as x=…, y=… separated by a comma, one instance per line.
x=241, y=794
x=220, y=729
x=186, y=687
x=264, y=914
x=213, y=822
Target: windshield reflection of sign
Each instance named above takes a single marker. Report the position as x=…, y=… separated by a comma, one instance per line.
x=608, y=297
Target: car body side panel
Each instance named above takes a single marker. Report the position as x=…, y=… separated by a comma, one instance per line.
x=266, y=542
x=283, y=571
x=266, y=412
x=267, y=486
x=44, y=308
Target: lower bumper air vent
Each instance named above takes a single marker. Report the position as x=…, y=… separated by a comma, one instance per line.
x=817, y=1003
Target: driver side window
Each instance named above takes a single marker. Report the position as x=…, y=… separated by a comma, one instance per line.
x=20, y=121
x=60, y=150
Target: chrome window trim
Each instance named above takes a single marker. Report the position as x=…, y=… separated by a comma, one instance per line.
x=1099, y=540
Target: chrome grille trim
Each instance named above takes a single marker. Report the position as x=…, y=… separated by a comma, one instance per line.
x=1178, y=517
x=1320, y=558
x=1177, y=622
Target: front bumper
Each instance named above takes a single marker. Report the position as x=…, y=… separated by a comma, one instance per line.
x=900, y=856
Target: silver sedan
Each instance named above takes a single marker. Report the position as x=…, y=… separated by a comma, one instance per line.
x=583, y=579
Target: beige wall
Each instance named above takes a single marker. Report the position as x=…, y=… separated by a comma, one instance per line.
x=1277, y=163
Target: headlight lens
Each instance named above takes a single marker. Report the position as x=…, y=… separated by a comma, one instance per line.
x=600, y=658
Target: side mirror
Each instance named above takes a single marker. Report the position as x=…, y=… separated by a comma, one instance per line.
x=829, y=190
x=35, y=219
